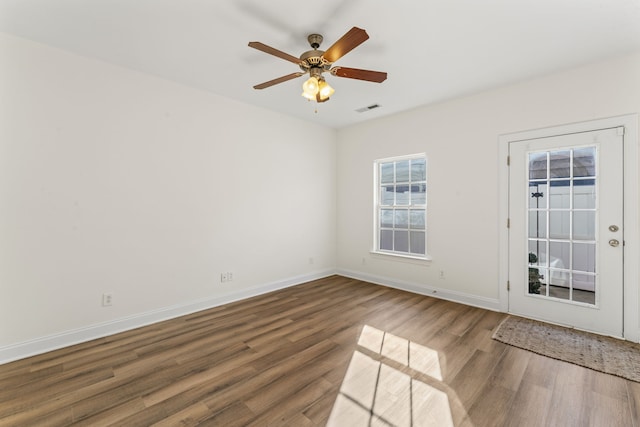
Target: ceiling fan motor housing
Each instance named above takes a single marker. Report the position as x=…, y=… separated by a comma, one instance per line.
x=313, y=59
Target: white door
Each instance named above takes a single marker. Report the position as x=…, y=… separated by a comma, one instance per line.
x=566, y=230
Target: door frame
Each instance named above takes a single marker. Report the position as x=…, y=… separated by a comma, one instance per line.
x=631, y=270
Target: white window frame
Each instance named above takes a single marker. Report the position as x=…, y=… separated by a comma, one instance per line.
x=377, y=188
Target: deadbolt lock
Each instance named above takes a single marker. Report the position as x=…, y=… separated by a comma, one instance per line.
x=613, y=228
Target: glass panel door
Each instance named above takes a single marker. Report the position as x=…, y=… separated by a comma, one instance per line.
x=566, y=229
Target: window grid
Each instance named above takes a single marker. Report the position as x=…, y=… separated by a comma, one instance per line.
x=401, y=206
x=554, y=229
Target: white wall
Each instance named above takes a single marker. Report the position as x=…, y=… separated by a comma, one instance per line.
x=115, y=181
x=460, y=139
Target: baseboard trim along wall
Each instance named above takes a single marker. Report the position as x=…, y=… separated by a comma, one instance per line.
x=48, y=343
x=492, y=304
x=65, y=339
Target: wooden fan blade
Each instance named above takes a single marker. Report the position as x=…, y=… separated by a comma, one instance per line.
x=278, y=80
x=356, y=73
x=352, y=39
x=275, y=52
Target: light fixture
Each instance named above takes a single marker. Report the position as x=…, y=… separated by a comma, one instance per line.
x=316, y=88
x=324, y=91
x=310, y=88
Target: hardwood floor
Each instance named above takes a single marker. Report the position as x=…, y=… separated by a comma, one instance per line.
x=336, y=351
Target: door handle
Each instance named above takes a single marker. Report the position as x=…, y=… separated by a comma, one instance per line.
x=614, y=243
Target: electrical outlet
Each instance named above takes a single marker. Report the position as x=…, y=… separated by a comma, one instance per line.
x=107, y=300
x=230, y=276
x=224, y=277
x=442, y=274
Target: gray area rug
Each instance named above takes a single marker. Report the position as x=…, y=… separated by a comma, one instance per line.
x=600, y=353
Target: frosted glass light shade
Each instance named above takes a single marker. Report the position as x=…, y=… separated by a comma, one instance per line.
x=310, y=87
x=324, y=90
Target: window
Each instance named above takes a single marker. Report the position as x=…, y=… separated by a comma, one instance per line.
x=401, y=206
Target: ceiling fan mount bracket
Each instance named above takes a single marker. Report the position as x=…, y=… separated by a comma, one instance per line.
x=315, y=40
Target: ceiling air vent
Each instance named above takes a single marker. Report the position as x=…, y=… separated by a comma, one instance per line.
x=368, y=108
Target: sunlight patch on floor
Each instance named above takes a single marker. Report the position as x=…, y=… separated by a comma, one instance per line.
x=374, y=393
x=408, y=353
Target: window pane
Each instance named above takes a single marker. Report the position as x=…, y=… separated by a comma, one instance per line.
x=584, y=162
x=560, y=195
x=386, y=218
x=588, y=297
x=386, y=240
x=559, y=164
x=538, y=224
x=541, y=275
x=584, y=257
x=386, y=195
x=558, y=278
x=386, y=173
x=402, y=195
x=537, y=252
x=559, y=224
x=559, y=255
x=401, y=241
x=401, y=218
x=418, y=194
x=558, y=291
x=418, y=170
x=416, y=219
x=538, y=166
x=584, y=225
x=584, y=194
x=537, y=195
x=402, y=171
x=584, y=282
x=417, y=242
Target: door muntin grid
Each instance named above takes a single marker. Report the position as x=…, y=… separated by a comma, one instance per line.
x=561, y=222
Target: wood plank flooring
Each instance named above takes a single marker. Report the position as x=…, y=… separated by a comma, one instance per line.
x=335, y=351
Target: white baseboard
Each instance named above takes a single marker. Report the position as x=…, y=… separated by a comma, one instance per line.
x=432, y=291
x=632, y=335
x=76, y=336
x=44, y=344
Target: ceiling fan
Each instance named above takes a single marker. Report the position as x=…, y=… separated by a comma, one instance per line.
x=315, y=62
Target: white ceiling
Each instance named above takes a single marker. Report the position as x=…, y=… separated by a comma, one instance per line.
x=433, y=50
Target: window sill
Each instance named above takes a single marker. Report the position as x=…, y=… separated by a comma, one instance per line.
x=403, y=258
